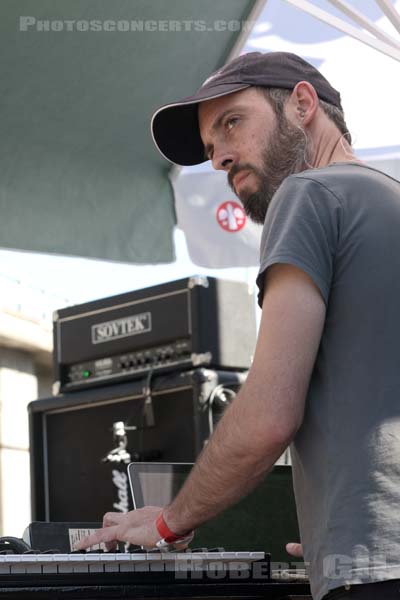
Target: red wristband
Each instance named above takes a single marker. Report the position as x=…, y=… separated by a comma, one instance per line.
x=165, y=532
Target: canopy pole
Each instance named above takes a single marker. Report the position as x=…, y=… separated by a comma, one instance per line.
x=361, y=20
x=255, y=12
x=390, y=12
x=344, y=27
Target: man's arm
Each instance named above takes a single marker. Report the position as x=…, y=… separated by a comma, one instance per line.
x=258, y=425
x=266, y=414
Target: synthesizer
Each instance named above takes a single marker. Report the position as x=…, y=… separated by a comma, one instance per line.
x=151, y=575
x=137, y=562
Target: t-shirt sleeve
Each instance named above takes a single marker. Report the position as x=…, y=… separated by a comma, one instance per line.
x=302, y=228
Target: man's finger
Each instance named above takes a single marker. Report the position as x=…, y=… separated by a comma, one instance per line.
x=295, y=550
x=113, y=518
x=109, y=520
x=106, y=535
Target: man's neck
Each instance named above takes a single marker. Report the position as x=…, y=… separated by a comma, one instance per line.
x=333, y=148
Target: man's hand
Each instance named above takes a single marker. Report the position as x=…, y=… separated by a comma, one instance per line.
x=135, y=527
x=295, y=550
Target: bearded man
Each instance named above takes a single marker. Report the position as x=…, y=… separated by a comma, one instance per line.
x=326, y=372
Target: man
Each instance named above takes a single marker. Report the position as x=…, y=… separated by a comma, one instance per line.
x=326, y=374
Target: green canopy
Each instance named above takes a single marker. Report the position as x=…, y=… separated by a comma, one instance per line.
x=80, y=80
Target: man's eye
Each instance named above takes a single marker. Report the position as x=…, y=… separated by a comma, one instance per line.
x=231, y=123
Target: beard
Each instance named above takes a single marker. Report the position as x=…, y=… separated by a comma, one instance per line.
x=283, y=155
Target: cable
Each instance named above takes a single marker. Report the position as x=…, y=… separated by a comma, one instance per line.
x=13, y=545
x=222, y=394
x=147, y=410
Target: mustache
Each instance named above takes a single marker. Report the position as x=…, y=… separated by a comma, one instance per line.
x=235, y=170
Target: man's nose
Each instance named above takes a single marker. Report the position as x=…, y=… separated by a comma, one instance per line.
x=223, y=161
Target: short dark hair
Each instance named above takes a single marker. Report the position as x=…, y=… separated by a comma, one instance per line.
x=278, y=96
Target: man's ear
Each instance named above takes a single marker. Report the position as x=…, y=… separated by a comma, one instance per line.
x=303, y=103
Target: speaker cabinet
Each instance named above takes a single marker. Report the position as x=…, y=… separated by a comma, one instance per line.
x=76, y=469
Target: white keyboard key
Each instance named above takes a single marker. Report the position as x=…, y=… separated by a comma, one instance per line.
x=65, y=567
x=127, y=567
x=96, y=568
x=21, y=568
x=111, y=567
x=5, y=569
x=49, y=568
x=80, y=568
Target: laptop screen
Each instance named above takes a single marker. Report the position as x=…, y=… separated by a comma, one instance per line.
x=265, y=520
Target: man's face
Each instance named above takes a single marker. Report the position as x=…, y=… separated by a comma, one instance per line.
x=243, y=136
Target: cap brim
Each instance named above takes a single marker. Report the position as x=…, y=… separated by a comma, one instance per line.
x=175, y=127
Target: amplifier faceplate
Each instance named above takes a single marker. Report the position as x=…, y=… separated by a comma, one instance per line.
x=134, y=364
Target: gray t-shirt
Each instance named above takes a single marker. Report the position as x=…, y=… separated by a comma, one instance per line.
x=341, y=225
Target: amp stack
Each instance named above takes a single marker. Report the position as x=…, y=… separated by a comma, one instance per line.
x=139, y=376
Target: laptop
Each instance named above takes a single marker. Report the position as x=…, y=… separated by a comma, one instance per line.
x=263, y=521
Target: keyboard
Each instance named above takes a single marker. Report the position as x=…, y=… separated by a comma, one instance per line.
x=144, y=575
x=109, y=562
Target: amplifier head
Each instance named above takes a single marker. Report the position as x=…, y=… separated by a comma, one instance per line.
x=179, y=325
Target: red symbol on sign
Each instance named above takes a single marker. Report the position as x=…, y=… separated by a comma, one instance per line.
x=231, y=216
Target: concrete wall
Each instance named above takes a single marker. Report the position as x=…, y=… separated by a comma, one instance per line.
x=25, y=375
x=18, y=386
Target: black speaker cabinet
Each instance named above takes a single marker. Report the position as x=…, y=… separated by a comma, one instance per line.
x=77, y=445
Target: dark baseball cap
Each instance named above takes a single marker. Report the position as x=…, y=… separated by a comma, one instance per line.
x=175, y=126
